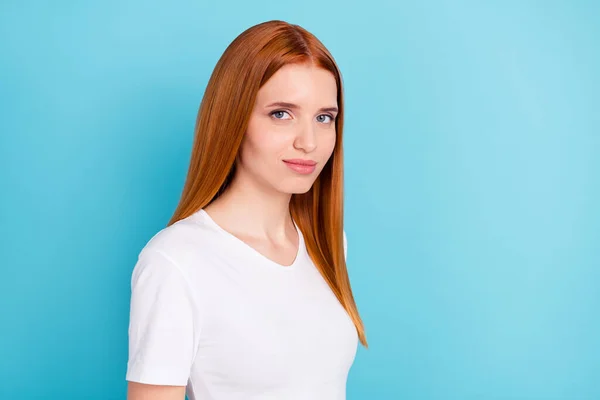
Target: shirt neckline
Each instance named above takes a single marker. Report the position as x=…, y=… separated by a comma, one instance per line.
x=252, y=250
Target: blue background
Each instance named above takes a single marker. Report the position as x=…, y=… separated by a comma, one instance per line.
x=472, y=185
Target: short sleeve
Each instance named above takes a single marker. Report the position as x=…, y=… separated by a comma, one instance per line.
x=162, y=323
x=345, y=246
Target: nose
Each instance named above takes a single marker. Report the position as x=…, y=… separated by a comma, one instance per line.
x=306, y=137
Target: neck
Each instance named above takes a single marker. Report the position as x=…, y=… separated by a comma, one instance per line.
x=253, y=210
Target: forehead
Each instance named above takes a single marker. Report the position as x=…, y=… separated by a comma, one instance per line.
x=300, y=83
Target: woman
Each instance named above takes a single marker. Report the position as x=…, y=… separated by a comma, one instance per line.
x=245, y=294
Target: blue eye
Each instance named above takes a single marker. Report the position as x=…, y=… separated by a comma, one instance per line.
x=325, y=115
x=278, y=112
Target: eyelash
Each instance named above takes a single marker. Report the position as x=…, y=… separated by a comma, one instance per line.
x=278, y=111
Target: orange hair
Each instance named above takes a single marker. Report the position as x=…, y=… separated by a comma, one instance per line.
x=247, y=63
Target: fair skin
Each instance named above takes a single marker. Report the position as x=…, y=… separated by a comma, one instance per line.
x=255, y=207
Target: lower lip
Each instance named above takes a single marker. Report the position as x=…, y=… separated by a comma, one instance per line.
x=302, y=169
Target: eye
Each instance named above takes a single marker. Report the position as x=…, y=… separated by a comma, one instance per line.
x=278, y=114
x=327, y=116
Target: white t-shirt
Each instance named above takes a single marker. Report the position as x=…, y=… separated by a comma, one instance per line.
x=210, y=312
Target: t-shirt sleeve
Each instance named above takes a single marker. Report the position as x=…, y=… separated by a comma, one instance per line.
x=345, y=246
x=162, y=323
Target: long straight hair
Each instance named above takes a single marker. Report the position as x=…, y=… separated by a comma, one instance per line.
x=245, y=66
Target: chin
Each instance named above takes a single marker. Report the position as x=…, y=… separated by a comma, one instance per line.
x=301, y=191
x=296, y=189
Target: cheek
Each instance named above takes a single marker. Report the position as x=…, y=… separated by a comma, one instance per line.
x=328, y=143
x=263, y=144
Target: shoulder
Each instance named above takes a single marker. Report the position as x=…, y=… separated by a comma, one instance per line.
x=181, y=243
x=345, y=243
x=177, y=235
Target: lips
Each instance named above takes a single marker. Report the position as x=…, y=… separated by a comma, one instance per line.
x=304, y=167
x=297, y=161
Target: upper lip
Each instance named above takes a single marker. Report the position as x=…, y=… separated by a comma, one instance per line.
x=301, y=161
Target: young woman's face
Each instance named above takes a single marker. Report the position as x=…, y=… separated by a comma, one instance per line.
x=279, y=135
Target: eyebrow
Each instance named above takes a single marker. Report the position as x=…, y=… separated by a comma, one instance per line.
x=293, y=106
